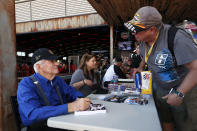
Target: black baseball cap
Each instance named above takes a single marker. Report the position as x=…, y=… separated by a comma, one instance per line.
x=43, y=54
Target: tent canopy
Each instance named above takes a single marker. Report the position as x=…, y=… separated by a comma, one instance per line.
x=115, y=12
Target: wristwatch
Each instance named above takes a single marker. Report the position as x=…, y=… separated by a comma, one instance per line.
x=179, y=94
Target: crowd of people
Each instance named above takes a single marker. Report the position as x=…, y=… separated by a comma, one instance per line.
x=24, y=69
x=44, y=94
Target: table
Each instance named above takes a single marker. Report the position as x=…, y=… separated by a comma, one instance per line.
x=119, y=117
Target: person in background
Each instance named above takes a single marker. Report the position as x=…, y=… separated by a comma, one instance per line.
x=137, y=48
x=128, y=68
x=135, y=56
x=84, y=78
x=114, y=70
x=105, y=64
x=45, y=95
x=72, y=66
x=25, y=70
x=18, y=68
x=63, y=68
x=176, y=90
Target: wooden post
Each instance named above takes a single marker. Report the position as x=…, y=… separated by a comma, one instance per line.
x=7, y=63
x=111, y=43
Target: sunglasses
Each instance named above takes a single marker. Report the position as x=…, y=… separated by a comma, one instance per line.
x=145, y=30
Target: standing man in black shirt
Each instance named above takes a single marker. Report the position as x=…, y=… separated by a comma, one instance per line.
x=114, y=70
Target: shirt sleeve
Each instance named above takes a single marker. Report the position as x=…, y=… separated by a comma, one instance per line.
x=185, y=49
x=77, y=76
x=30, y=108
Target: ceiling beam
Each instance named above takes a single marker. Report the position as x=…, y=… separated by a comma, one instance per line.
x=72, y=22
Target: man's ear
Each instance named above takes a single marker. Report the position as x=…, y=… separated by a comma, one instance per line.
x=153, y=28
x=37, y=66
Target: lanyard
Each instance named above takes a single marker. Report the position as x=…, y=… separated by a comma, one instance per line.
x=150, y=50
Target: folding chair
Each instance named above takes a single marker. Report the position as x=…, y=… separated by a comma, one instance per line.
x=14, y=104
x=20, y=126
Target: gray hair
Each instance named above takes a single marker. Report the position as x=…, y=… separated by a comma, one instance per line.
x=38, y=62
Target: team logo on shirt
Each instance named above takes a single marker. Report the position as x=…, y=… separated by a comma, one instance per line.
x=164, y=62
x=161, y=59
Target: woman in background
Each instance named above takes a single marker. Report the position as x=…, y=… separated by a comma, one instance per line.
x=85, y=79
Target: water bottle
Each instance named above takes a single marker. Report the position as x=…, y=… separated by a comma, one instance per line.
x=111, y=85
x=138, y=82
x=115, y=83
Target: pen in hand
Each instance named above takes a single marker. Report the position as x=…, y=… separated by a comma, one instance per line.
x=83, y=103
x=170, y=91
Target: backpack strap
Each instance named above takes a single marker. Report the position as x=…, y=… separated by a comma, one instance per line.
x=40, y=90
x=171, y=35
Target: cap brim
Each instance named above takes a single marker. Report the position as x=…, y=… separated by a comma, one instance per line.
x=134, y=28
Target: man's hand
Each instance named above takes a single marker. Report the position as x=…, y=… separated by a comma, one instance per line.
x=83, y=103
x=140, y=68
x=173, y=99
x=135, y=70
x=80, y=104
